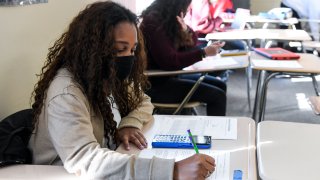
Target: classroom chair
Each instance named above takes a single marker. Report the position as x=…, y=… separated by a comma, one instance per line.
x=185, y=102
x=189, y=106
x=315, y=104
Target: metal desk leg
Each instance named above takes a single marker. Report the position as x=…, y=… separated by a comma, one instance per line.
x=257, y=100
x=190, y=93
x=249, y=84
x=315, y=84
x=247, y=45
x=264, y=95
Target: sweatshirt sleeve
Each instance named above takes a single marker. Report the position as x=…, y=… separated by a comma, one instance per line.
x=72, y=134
x=162, y=50
x=139, y=116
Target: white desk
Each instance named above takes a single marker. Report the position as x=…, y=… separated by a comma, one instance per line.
x=242, y=62
x=250, y=34
x=309, y=20
x=288, y=150
x=263, y=34
x=242, y=150
x=242, y=154
x=311, y=45
x=310, y=66
x=258, y=19
x=35, y=172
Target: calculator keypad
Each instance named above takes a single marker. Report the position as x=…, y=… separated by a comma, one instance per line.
x=172, y=138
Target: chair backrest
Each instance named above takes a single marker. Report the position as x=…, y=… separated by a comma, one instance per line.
x=15, y=132
x=172, y=105
x=190, y=105
x=240, y=18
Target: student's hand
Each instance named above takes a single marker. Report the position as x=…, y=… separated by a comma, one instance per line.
x=133, y=135
x=198, y=166
x=181, y=22
x=213, y=48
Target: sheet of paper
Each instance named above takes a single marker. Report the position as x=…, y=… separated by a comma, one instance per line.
x=276, y=63
x=222, y=159
x=211, y=62
x=216, y=127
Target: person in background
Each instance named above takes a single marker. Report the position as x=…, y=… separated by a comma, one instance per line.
x=90, y=97
x=171, y=45
x=205, y=16
x=307, y=9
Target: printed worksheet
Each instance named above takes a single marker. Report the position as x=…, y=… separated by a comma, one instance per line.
x=222, y=159
x=210, y=63
x=216, y=127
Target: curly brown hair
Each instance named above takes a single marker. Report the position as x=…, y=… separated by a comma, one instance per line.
x=87, y=51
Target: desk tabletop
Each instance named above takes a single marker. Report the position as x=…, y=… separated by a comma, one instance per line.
x=43, y=172
x=310, y=20
x=288, y=150
x=311, y=44
x=242, y=154
x=249, y=34
x=259, y=19
x=309, y=62
x=242, y=150
x=242, y=62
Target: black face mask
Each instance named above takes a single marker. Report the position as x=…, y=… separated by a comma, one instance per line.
x=123, y=66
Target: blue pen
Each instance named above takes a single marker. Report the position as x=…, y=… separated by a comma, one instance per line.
x=195, y=147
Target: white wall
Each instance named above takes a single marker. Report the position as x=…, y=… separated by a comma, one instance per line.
x=142, y=5
x=263, y=5
x=26, y=33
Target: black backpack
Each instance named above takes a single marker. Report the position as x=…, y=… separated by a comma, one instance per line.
x=15, y=132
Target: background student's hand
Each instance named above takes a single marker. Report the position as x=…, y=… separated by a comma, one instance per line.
x=181, y=22
x=213, y=48
x=133, y=135
x=198, y=166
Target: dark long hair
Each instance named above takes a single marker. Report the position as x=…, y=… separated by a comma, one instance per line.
x=166, y=11
x=87, y=51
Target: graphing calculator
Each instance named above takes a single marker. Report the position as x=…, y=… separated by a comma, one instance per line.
x=180, y=141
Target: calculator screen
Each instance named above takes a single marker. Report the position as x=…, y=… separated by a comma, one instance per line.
x=202, y=139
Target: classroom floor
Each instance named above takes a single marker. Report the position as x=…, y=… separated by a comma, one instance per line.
x=286, y=98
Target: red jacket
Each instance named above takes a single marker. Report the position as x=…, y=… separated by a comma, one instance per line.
x=203, y=15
